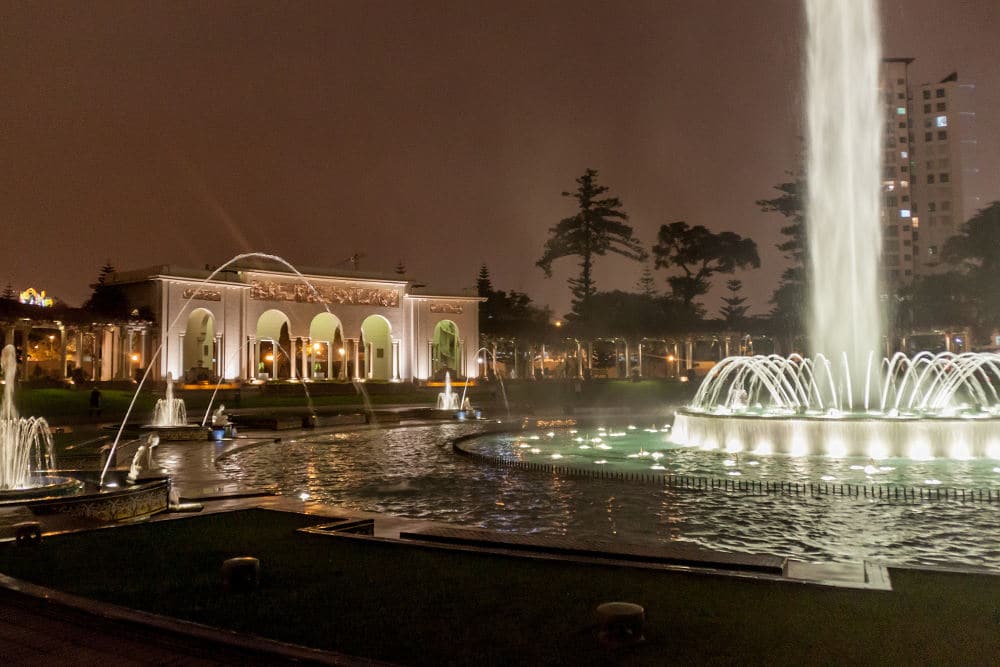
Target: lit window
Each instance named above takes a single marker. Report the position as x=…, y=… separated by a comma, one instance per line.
x=904, y=213
x=904, y=184
x=900, y=111
x=932, y=250
x=904, y=154
x=916, y=222
x=941, y=121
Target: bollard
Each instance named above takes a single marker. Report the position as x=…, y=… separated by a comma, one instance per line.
x=27, y=533
x=240, y=574
x=620, y=624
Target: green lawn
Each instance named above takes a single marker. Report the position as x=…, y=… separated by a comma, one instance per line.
x=421, y=606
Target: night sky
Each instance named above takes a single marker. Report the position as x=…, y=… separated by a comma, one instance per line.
x=440, y=134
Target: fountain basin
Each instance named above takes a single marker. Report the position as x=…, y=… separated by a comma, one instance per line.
x=42, y=486
x=848, y=435
x=171, y=433
x=78, y=494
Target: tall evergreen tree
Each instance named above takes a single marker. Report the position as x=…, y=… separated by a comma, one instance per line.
x=735, y=310
x=400, y=269
x=597, y=228
x=484, y=286
x=107, y=299
x=646, y=283
x=8, y=293
x=790, y=296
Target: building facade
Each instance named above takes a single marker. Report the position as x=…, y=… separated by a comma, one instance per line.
x=254, y=324
x=929, y=140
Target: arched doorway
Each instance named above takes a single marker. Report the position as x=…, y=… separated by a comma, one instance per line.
x=444, y=349
x=199, y=355
x=377, y=345
x=273, y=345
x=326, y=350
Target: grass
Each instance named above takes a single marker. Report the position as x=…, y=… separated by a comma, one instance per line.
x=415, y=605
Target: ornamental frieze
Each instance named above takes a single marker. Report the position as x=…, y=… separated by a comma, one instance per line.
x=272, y=290
x=202, y=294
x=452, y=308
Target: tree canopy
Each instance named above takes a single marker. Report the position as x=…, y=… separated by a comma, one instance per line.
x=700, y=254
x=107, y=299
x=789, y=297
x=597, y=228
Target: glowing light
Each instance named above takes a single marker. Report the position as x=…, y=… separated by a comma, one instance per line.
x=601, y=462
x=656, y=466
x=557, y=455
x=303, y=496
x=535, y=450
x=828, y=478
x=134, y=357
x=603, y=446
x=932, y=482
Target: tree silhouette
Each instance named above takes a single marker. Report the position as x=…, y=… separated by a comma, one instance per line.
x=598, y=227
x=735, y=310
x=790, y=296
x=107, y=298
x=646, y=283
x=700, y=254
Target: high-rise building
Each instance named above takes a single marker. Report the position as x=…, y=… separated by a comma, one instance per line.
x=928, y=145
x=897, y=197
x=942, y=144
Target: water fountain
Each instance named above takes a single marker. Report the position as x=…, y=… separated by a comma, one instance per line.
x=28, y=476
x=169, y=411
x=846, y=400
x=170, y=418
x=448, y=399
x=25, y=445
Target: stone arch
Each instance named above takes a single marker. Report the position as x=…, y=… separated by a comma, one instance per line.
x=273, y=344
x=445, y=349
x=376, y=336
x=199, y=353
x=327, y=353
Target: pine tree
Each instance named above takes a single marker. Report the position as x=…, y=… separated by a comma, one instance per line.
x=107, y=298
x=484, y=286
x=8, y=293
x=734, y=312
x=646, y=283
x=597, y=228
x=400, y=268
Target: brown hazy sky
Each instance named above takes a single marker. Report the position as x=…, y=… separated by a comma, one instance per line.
x=436, y=133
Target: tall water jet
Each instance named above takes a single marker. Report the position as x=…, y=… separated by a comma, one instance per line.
x=844, y=117
x=169, y=411
x=25, y=443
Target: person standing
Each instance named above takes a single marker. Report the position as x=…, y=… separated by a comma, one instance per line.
x=95, y=402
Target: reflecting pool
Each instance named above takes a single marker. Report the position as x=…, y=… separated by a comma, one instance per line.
x=413, y=472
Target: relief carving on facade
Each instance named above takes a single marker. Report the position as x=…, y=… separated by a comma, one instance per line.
x=300, y=292
x=202, y=294
x=451, y=308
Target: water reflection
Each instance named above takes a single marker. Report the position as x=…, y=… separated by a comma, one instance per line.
x=414, y=473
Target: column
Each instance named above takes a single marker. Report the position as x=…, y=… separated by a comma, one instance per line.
x=307, y=355
x=430, y=359
x=62, y=352
x=292, y=364
x=494, y=361
x=255, y=359
x=579, y=360
x=516, y=374
x=343, y=359
x=394, y=362
x=369, y=362
x=219, y=365
x=462, y=361
x=628, y=366
x=689, y=353
x=329, y=359
x=639, y=360
x=354, y=359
